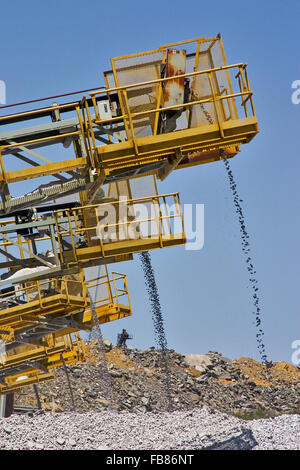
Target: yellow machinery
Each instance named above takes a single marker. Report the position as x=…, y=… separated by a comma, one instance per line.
x=38, y=336
x=30, y=364
x=176, y=106
x=63, y=305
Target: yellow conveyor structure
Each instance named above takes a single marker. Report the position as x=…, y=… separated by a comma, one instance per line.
x=91, y=199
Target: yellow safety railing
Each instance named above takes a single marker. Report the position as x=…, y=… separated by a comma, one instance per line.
x=61, y=296
x=115, y=286
x=32, y=114
x=41, y=290
x=164, y=220
x=55, y=353
x=87, y=119
x=216, y=97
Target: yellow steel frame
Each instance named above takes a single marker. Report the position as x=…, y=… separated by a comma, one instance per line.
x=15, y=382
x=60, y=304
x=140, y=151
x=164, y=235
x=205, y=137
x=53, y=355
x=64, y=304
x=204, y=143
x=59, y=346
x=24, y=246
x=73, y=225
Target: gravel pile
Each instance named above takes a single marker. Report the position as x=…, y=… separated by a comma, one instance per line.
x=179, y=430
x=244, y=387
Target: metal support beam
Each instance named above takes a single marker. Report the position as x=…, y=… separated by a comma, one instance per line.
x=6, y=405
x=68, y=380
x=2, y=405
x=37, y=365
x=36, y=391
x=43, y=262
x=10, y=256
x=169, y=166
x=31, y=162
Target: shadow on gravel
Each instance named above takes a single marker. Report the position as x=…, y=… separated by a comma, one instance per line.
x=243, y=441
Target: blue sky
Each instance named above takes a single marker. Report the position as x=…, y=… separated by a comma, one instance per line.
x=58, y=46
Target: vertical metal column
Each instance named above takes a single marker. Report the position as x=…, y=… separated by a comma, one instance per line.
x=68, y=380
x=6, y=405
x=36, y=391
x=2, y=405
x=9, y=408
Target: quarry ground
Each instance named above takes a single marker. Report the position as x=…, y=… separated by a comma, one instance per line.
x=214, y=403
x=199, y=428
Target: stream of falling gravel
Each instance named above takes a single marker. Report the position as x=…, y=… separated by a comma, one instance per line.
x=69, y=382
x=157, y=318
x=250, y=267
x=106, y=378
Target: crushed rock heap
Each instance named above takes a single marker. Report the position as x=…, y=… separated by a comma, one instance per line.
x=209, y=380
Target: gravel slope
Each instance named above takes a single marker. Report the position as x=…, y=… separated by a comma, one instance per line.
x=179, y=430
x=137, y=384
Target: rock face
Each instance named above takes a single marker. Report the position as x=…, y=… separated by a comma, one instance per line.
x=200, y=362
x=107, y=344
x=137, y=384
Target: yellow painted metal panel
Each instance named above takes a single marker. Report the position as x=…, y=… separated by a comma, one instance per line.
x=43, y=170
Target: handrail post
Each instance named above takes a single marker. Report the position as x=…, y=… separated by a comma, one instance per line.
x=116, y=290
x=130, y=122
x=215, y=105
x=157, y=218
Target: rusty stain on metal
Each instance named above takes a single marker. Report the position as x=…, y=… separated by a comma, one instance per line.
x=216, y=154
x=174, y=89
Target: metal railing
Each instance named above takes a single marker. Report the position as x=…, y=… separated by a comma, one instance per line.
x=87, y=120
x=40, y=290
x=25, y=366
x=113, y=290
x=216, y=98
x=89, y=224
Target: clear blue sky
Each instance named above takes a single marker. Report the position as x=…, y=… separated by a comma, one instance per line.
x=56, y=46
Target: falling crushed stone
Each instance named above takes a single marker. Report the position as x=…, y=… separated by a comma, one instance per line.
x=157, y=317
x=107, y=386
x=69, y=382
x=249, y=263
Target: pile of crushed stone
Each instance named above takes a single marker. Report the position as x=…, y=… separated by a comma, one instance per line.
x=262, y=374
x=178, y=430
x=240, y=387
